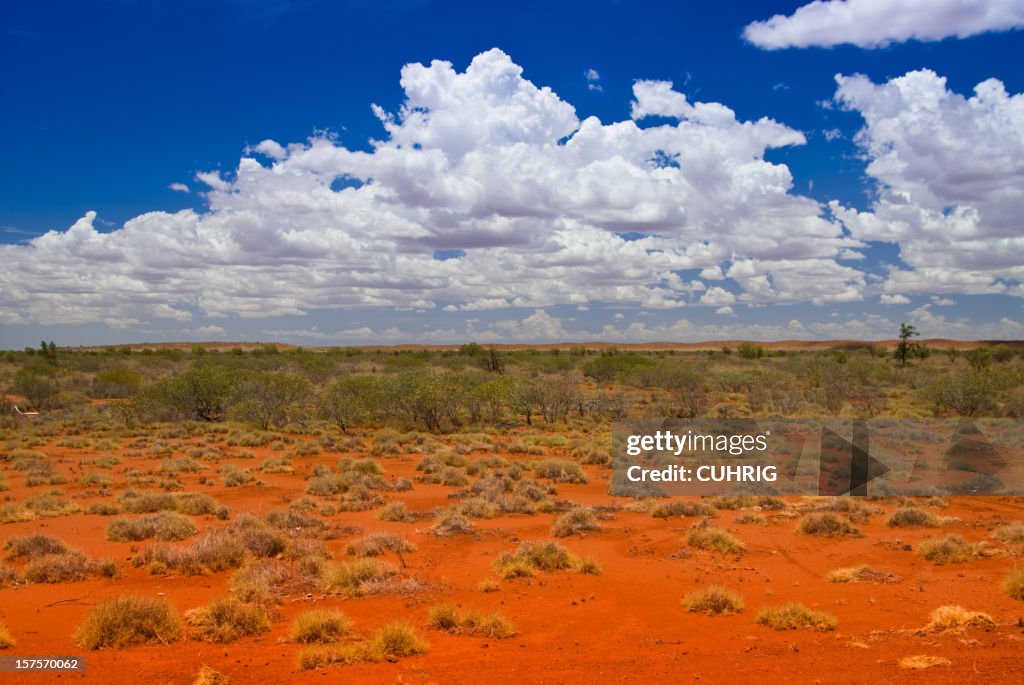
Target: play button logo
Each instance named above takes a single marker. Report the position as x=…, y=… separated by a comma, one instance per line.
x=845, y=466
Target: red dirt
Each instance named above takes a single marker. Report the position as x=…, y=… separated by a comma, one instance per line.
x=624, y=626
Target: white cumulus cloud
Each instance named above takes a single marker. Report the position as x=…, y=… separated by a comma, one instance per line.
x=877, y=23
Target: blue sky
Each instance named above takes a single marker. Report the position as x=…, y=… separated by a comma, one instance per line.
x=816, y=209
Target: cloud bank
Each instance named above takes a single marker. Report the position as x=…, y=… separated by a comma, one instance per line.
x=487, y=192
x=878, y=23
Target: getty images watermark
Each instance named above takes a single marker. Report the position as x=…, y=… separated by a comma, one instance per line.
x=918, y=457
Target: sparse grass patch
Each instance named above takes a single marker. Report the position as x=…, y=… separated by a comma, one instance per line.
x=393, y=512
x=349, y=578
x=164, y=525
x=450, y=523
x=208, y=676
x=714, y=539
x=713, y=600
x=1011, y=532
x=451, y=619
x=50, y=505
x=588, y=566
x=13, y=513
x=226, y=619
x=105, y=509
x=532, y=557
x=126, y=620
x=920, y=661
x=951, y=549
x=558, y=470
x=859, y=574
x=664, y=510
x=795, y=615
x=34, y=545
x=488, y=585
x=827, y=524
x=376, y=544
x=751, y=517
x=6, y=639
x=320, y=625
x=1013, y=583
x=952, y=618
x=578, y=520
x=96, y=480
x=913, y=517
x=397, y=640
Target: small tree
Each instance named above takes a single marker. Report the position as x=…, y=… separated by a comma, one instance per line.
x=266, y=398
x=37, y=382
x=905, y=347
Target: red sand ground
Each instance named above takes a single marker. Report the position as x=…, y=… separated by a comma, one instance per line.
x=624, y=626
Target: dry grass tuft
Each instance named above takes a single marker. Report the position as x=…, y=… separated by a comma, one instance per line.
x=6, y=639
x=579, y=520
x=921, y=661
x=453, y=620
x=795, y=615
x=1013, y=583
x=859, y=574
x=714, y=539
x=226, y=619
x=208, y=676
x=913, y=517
x=126, y=620
x=320, y=625
x=713, y=601
x=952, y=618
x=532, y=557
x=951, y=549
x=351, y=578
x=827, y=524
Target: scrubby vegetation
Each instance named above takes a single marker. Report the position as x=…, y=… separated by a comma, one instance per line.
x=951, y=549
x=713, y=600
x=713, y=539
x=452, y=619
x=795, y=615
x=126, y=620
